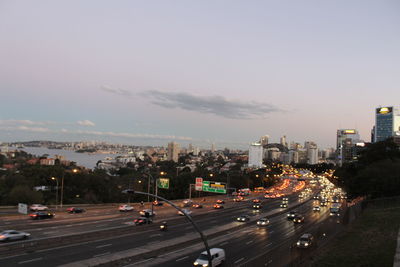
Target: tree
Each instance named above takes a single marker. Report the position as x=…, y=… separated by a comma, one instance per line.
x=23, y=194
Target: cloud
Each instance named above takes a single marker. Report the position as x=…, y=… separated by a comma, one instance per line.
x=217, y=105
x=23, y=122
x=26, y=129
x=116, y=91
x=132, y=135
x=86, y=123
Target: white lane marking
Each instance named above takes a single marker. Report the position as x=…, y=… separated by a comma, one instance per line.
x=50, y=232
x=103, y=246
x=247, y=243
x=239, y=260
x=99, y=255
x=101, y=225
x=69, y=225
x=32, y=260
x=181, y=259
x=224, y=243
x=156, y=235
x=143, y=261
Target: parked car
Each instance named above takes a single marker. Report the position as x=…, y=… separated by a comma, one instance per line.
x=38, y=207
x=125, y=208
x=75, y=210
x=41, y=215
x=9, y=235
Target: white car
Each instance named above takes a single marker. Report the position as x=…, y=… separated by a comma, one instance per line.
x=186, y=211
x=148, y=211
x=38, y=207
x=217, y=256
x=123, y=208
x=9, y=235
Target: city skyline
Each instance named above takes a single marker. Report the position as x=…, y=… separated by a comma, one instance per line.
x=202, y=73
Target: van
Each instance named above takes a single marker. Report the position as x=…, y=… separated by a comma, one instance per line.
x=217, y=255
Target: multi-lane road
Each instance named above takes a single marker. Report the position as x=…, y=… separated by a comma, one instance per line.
x=244, y=243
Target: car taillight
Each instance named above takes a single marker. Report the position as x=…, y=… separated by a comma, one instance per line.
x=33, y=215
x=2, y=236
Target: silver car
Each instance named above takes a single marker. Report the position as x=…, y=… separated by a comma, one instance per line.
x=9, y=235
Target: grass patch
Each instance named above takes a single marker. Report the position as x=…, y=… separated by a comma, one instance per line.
x=370, y=241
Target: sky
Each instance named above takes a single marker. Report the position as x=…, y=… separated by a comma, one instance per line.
x=201, y=72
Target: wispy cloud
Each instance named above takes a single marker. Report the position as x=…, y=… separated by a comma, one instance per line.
x=116, y=91
x=23, y=122
x=217, y=105
x=86, y=123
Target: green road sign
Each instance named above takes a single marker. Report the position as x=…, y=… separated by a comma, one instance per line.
x=163, y=183
x=214, y=187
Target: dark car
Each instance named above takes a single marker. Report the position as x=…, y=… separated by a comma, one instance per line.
x=256, y=200
x=218, y=206
x=243, y=218
x=197, y=206
x=220, y=201
x=291, y=215
x=41, y=215
x=142, y=220
x=75, y=210
x=157, y=203
x=257, y=206
x=298, y=219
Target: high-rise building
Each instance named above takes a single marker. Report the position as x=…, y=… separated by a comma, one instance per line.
x=173, y=151
x=283, y=141
x=255, y=155
x=387, y=123
x=312, y=155
x=293, y=156
x=345, y=141
x=264, y=140
x=212, y=147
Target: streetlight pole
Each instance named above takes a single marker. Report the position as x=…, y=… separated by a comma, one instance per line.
x=62, y=189
x=203, y=237
x=54, y=178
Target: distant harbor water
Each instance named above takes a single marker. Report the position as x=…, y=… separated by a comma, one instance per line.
x=82, y=159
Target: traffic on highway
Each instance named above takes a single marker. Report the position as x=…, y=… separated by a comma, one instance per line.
x=247, y=227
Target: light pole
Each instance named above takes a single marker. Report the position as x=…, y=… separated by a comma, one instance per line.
x=62, y=186
x=203, y=237
x=55, y=179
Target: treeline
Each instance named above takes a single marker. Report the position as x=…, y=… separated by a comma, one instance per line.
x=98, y=186
x=375, y=174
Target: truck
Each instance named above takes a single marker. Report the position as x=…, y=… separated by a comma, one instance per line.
x=335, y=209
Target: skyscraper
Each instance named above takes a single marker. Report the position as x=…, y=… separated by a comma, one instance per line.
x=173, y=151
x=346, y=139
x=256, y=155
x=387, y=123
x=283, y=141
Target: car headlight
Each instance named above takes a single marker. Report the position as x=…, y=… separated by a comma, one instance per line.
x=306, y=244
x=205, y=264
x=298, y=243
x=195, y=263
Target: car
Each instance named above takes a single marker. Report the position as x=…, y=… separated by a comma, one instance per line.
x=316, y=208
x=262, y=222
x=38, y=207
x=187, y=203
x=218, y=206
x=236, y=199
x=305, y=241
x=9, y=235
x=257, y=206
x=243, y=218
x=41, y=215
x=197, y=206
x=323, y=204
x=147, y=213
x=283, y=205
x=298, y=218
x=75, y=210
x=142, y=220
x=125, y=208
x=291, y=215
x=186, y=211
x=217, y=256
x=220, y=201
x=285, y=200
x=256, y=200
x=157, y=203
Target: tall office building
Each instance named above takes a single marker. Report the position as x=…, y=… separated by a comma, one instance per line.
x=387, y=123
x=343, y=134
x=283, y=141
x=264, y=140
x=346, y=139
x=312, y=155
x=212, y=147
x=173, y=151
x=255, y=155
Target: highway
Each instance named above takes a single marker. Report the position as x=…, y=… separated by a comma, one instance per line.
x=244, y=243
